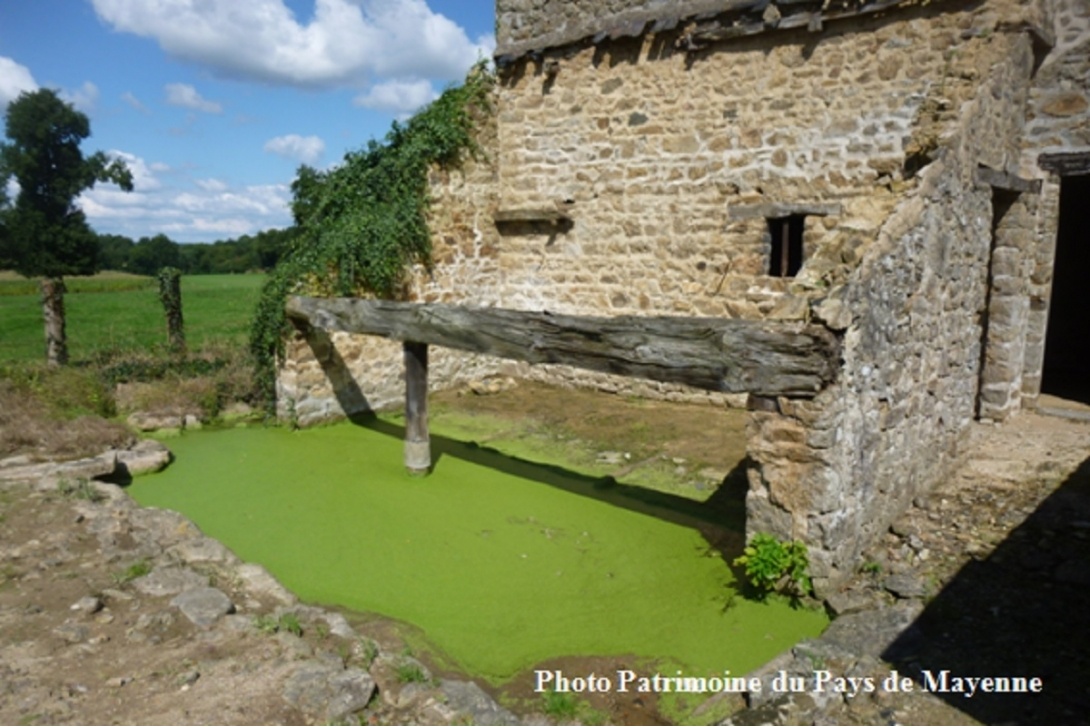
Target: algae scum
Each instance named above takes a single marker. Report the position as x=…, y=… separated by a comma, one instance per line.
x=503, y=564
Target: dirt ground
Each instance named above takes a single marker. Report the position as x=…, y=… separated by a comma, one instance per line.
x=1001, y=549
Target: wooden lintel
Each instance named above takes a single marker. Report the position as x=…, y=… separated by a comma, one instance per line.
x=986, y=176
x=768, y=358
x=776, y=210
x=1065, y=163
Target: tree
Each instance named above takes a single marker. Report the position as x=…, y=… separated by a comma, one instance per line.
x=47, y=235
x=151, y=254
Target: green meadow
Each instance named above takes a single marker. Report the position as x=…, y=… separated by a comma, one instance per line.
x=120, y=312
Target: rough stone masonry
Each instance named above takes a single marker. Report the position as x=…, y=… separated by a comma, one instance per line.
x=872, y=167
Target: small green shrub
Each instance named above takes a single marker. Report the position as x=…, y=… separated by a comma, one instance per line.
x=81, y=489
x=560, y=705
x=409, y=673
x=290, y=622
x=139, y=568
x=772, y=564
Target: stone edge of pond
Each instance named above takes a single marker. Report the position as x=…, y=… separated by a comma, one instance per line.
x=183, y=563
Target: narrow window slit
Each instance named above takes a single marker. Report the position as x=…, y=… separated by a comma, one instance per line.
x=786, y=233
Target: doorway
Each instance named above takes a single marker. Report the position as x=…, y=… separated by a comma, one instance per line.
x=1066, y=371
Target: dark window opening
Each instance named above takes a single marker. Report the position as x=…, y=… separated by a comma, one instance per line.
x=786, y=234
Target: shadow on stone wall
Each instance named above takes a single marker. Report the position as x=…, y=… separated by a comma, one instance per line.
x=1022, y=611
x=349, y=394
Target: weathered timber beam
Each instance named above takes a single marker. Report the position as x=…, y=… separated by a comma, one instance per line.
x=768, y=358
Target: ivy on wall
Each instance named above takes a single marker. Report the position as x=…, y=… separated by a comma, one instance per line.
x=363, y=224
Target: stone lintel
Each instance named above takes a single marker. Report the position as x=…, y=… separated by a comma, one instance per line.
x=775, y=210
x=986, y=176
x=1065, y=163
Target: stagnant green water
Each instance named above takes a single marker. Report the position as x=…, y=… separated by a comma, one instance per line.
x=501, y=563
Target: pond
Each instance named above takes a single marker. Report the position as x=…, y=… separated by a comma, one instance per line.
x=503, y=564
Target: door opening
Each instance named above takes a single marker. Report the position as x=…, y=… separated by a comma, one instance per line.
x=1066, y=371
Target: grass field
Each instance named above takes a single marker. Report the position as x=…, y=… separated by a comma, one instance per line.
x=115, y=311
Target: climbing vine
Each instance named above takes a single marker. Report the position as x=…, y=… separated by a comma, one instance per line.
x=362, y=225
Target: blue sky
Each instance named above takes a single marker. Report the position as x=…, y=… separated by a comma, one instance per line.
x=215, y=103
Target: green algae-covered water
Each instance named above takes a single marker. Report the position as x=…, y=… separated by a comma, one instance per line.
x=502, y=564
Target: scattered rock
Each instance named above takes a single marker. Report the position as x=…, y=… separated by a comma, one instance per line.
x=72, y=633
x=905, y=585
x=147, y=422
x=469, y=699
x=257, y=579
x=329, y=694
x=168, y=581
x=870, y=632
x=203, y=606
x=492, y=385
x=88, y=605
x=145, y=456
x=851, y=601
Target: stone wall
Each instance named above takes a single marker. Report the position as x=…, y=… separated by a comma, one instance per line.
x=633, y=175
x=1057, y=120
x=836, y=471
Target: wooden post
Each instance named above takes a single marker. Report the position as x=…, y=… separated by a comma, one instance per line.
x=417, y=441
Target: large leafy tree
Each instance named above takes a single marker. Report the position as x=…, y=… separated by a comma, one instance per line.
x=45, y=234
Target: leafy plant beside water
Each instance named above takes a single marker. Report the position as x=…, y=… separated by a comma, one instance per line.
x=362, y=225
x=774, y=565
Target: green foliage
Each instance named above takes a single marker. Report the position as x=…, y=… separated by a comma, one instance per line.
x=410, y=673
x=108, y=317
x=288, y=623
x=363, y=224
x=150, y=254
x=47, y=234
x=81, y=489
x=772, y=564
x=560, y=705
x=136, y=570
x=68, y=393
x=170, y=295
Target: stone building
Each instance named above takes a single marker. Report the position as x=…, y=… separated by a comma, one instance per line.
x=906, y=174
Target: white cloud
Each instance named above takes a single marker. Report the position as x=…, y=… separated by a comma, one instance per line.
x=143, y=174
x=133, y=101
x=14, y=79
x=211, y=185
x=401, y=97
x=345, y=44
x=184, y=95
x=167, y=200
x=305, y=149
x=83, y=98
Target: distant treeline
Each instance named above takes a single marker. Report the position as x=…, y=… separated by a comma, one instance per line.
x=148, y=255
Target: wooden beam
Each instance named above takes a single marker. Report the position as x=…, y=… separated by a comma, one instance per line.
x=768, y=358
x=417, y=439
